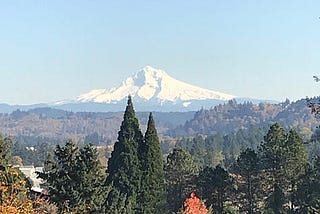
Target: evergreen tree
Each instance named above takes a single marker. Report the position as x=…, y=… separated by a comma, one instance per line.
x=273, y=155
x=276, y=200
x=181, y=172
x=62, y=180
x=295, y=165
x=124, y=166
x=91, y=177
x=248, y=167
x=285, y=158
x=215, y=184
x=5, y=151
x=307, y=196
x=74, y=178
x=198, y=150
x=118, y=202
x=152, y=190
x=272, y=150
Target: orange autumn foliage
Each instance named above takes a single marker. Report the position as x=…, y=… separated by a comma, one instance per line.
x=193, y=205
x=13, y=193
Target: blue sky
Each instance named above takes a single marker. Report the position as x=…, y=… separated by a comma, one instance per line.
x=56, y=50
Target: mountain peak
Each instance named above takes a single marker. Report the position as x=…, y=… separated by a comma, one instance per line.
x=149, y=72
x=153, y=84
x=149, y=68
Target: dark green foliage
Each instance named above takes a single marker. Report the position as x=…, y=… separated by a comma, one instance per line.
x=215, y=185
x=74, y=178
x=32, y=154
x=181, y=172
x=216, y=149
x=231, y=117
x=296, y=160
x=118, y=203
x=313, y=147
x=63, y=178
x=272, y=149
x=206, y=151
x=273, y=157
x=152, y=190
x=198, y=150
x=295, y=165
x=307, y=197
x=284, y=161
x=136, y=179
x=247, y=166
x=5, y=151
x=124, y=166
x=276, y=200
x=272, y=153
x=91, y=177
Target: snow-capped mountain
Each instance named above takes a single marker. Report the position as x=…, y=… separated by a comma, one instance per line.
x=152, y=90
x=154, y=86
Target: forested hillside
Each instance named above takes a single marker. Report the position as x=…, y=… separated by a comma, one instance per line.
x=233, y=116
x=53, y=125
x=249, y=170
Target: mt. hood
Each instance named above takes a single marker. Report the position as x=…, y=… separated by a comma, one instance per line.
x=158, y=88
x=152, y=90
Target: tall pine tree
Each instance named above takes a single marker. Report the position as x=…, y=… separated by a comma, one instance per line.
x=124, y=165
x=272, y=151
x=295, y=165
x=215, y=185
x=285, y=158
x=181, y=172
x=273, y=156
x=307, y=197
x=152, y=191
x=247, y=166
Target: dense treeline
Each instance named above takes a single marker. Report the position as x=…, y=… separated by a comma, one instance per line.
x=269, y=179
x=24, y=154
x=55, y=126
x=249, y=171
x=232, y=116
x=218, y=149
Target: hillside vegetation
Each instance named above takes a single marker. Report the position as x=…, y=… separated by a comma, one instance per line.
x=53, y=125
x=233, y=116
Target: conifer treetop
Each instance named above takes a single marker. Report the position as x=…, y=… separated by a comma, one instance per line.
x=151, y=125
x=124, y=166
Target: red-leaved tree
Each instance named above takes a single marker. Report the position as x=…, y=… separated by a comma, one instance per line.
x=193, y=205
